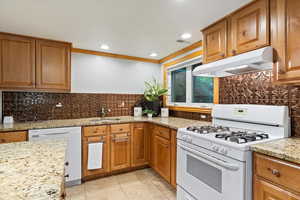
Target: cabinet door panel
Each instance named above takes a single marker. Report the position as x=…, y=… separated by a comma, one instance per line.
x=105, y=156
x=173, y=157
x=215, y=42
x=17, y=62
x=53, y=65
x=285, y=32
x=250, y=27
x=266, y=191
x=120, y=151
x=139, y=145
x=163, y=157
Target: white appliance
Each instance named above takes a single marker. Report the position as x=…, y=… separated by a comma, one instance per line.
x=138, y=111
x=73, y=154
x=257, y=60
x=215, y=162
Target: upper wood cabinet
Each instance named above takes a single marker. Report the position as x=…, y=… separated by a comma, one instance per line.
x=17, y=62
x=140, y=145
x=28, y=63
x=53, y=70
x=250, y=27
x=215, y=42
x=285, y=31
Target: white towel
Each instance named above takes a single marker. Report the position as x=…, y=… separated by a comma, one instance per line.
x=95, y=155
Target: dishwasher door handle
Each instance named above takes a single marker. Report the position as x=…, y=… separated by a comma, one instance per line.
x=49, y=134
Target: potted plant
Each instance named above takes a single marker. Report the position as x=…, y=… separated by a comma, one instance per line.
x=153, y=93
x=149, y=113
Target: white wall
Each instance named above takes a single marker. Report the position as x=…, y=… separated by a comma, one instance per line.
x=97, y=74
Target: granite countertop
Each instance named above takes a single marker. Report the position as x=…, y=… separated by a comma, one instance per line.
x=286, y=149
x=32, y=170
x=171, y=122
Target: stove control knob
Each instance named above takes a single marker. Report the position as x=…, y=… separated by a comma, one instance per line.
x=224, y=151
x=215, y=148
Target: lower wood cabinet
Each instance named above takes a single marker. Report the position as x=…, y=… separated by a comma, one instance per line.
x=120, y=150
x=140, y=145
x=131, y=146
x=91, y=135
x=16, y=136
x=275, y=179
x=267, y=191
x=162, y=160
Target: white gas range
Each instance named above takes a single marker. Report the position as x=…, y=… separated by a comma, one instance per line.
x=215, y=162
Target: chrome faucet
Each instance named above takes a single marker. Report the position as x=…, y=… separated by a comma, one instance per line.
x=104, y=111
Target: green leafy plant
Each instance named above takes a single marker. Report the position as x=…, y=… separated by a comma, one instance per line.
x=153, y=90
x=147, y=111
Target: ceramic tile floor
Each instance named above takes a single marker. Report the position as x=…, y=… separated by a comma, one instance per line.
x=143, y=184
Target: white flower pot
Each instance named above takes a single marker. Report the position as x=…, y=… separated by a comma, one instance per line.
x=149, y=115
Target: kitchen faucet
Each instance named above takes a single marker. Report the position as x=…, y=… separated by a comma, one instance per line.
x=104, y=111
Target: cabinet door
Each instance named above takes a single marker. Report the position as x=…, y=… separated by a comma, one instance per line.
x=285, y=31
x=266, y=191
x=163, y=157
x=120, y=151
x=173, y=157
x=17, y=136
x=215, y=42
x=139, y=146
x=17, y=62
x=105, y=156
x=150, y=130
x=250, y=27
x=53, y=65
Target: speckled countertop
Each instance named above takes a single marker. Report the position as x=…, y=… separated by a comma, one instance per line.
x=286, y=149
x=171, y=122
x=32, y=170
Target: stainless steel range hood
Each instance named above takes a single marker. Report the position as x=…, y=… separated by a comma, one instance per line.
x=257, y=60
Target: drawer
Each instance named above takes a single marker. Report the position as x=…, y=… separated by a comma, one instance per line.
x=94, y=130
x=162, y=132
x=118, y=128
x=16, y=136
x=278, y=171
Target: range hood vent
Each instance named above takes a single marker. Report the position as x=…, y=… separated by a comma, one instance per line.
x=257, y=60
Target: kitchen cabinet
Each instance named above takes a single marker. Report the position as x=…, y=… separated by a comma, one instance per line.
x=275, y=179
x=285, y=30
x=15, y=136
x=17, y=62
x=150, y=130
x=249, y=27
x=29, y=63
x=162, y=155
x=215, y=42
x=173, y=157
x=95, y=134
x=120, y=147
x=53, y=67
x=140, y=145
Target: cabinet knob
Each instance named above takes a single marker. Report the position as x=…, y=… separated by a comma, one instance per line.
x=275, y=172
x=67, y=163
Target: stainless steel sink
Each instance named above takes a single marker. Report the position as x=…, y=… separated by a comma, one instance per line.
x=105, y=120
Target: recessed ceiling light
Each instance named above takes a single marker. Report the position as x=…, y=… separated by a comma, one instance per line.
x=104, y=46
x=153, y=54
x=186, y=36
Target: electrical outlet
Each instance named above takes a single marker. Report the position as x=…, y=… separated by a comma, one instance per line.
x=203, y=116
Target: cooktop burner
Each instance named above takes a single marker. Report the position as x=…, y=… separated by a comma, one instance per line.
x=207, y=129
x=241, y=137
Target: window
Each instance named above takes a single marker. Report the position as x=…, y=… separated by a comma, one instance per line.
x=188, y=90
x=178, y=82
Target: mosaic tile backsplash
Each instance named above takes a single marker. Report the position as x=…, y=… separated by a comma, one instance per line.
x=257, y=88
x=34, y=106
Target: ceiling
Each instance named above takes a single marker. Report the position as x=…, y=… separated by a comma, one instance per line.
x=130, y=27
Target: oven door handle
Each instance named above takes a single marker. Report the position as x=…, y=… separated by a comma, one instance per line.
x=221, y=163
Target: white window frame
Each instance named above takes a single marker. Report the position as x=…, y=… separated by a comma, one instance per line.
x=189, y=85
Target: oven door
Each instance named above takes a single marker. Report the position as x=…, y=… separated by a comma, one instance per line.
x=209, y=176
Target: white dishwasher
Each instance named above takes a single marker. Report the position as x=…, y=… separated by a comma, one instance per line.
x=73, y=153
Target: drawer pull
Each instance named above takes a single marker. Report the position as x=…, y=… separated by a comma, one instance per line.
x=275, y=172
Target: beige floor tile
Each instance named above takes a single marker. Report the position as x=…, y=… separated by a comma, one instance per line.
x=138, y=185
